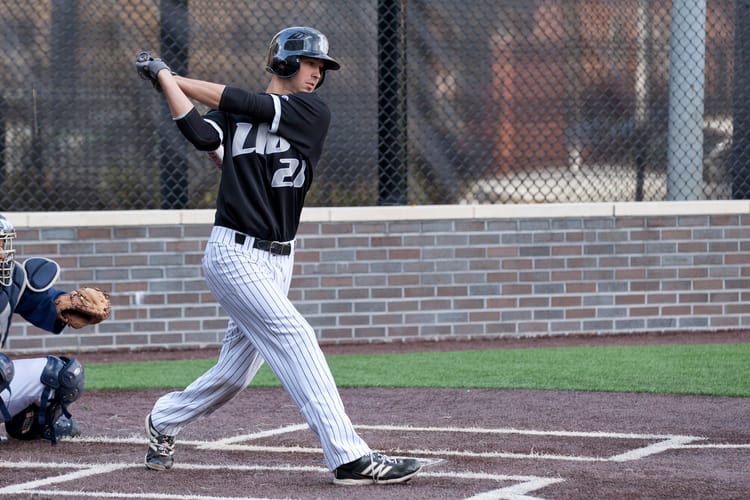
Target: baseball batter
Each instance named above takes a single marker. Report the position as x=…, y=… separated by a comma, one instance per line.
x=35, y=393
x=267, y=145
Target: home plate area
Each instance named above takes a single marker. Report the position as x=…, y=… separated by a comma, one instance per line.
x=473, y=444
x=275, y=464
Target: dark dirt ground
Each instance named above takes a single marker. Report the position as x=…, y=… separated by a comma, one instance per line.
x=474, y=443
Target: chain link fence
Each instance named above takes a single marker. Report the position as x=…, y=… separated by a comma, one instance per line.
x=437, y=101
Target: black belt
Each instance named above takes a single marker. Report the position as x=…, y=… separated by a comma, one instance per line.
x=274, y=247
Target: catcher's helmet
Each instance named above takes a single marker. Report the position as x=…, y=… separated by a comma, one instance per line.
x=289, y=44
x=7, y=253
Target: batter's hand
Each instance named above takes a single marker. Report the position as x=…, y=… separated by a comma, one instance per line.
x=148, y=68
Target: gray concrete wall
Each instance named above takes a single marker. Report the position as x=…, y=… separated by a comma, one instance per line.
x=404, y=273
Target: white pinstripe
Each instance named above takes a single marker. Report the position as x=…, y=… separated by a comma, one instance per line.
x=252, y=286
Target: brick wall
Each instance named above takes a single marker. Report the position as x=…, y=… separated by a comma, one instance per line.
x=396, y=273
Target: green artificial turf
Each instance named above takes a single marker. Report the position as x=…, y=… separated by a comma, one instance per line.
x=707, y=369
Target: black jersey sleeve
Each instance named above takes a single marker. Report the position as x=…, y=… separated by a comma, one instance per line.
x=241, y=102
x=304, y=119
x=198, y=131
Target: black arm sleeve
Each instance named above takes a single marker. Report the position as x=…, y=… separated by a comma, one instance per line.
x=241, y=102
x=201, y=134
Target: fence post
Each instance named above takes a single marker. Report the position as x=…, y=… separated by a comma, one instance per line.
x=687, y=60
x=391, y=105
x=174, y=43
x=3, y=107
x=740, y=156
x=51, y=124
x=643, y=72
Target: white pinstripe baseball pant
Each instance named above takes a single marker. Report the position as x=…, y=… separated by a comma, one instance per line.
x=252, y=286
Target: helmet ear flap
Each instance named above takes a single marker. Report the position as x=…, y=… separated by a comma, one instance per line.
x=322, y=77
x=284, y=68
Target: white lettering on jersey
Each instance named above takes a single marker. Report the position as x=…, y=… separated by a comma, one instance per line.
x=265, y=142
x=290, y=176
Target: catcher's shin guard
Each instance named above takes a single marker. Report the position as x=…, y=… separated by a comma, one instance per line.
x=64, y=376
x=26, y=426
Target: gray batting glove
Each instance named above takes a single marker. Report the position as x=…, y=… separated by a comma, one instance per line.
x=148, y=68
x=155, y=66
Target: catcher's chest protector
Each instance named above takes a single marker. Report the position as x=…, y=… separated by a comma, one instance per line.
x=9, y=297
x=36, y=273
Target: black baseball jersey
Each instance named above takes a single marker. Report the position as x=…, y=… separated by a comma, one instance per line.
x=268, y=161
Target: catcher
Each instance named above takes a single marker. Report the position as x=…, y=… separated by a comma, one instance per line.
x=35, y=393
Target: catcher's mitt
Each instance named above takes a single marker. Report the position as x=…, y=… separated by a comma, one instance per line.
x=82, y=307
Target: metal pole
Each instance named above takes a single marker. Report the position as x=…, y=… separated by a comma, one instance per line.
x=173, y=166
x=642, y=71
x=686, y=95
x=392, y=186
x=740, y=157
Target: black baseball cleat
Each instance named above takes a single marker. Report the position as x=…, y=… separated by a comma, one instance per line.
x=376, y=468
x=160, y=448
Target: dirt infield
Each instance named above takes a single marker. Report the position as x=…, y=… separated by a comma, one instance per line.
x=483, y=444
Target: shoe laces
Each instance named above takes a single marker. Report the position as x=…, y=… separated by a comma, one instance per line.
x=380, y=465
x=161, y=443
x=382, y=458
x=164, y=445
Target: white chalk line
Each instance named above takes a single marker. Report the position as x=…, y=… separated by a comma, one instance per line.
x=155, y=496
x=665, y=442
x=263, y=434
x=652, y=449
x=523, y=432
x=70, y=476
x=235, y=443
x=517, y=491
x=718, y=446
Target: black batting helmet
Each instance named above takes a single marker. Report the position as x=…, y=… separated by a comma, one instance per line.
x=289, y=44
